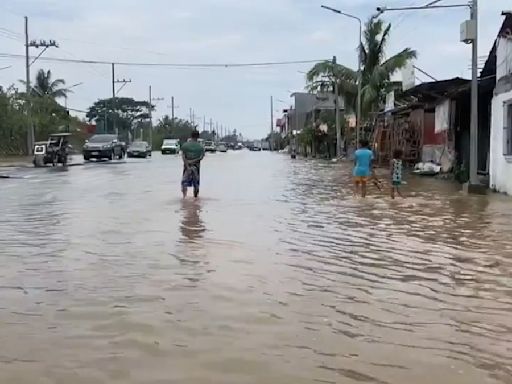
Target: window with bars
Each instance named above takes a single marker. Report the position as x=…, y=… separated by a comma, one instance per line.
x=507, y=130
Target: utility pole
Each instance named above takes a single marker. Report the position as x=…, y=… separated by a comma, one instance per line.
x=204, y=123
x=151, y=99
x=190, y=116
x=30, y=130
x=271, y=122
x=173, y=107
x=36, y=44
x=150, y=107
x=115, y=93
x=124, y=82
x=337, y=114
x=114, y=98
x=473, y=148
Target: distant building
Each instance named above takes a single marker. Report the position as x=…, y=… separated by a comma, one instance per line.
x=306, y=108
x=499, y=64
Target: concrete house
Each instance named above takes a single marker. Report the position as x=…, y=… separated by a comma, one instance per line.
x=308, y=105
x=500, y=61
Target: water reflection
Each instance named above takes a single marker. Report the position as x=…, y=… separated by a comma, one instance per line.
x=192, y=227
x=286, y=280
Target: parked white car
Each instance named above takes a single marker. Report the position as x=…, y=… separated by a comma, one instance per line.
x=209, y=146
x=170, y=147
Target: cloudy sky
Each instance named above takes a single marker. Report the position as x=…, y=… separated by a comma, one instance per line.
x=223, y=31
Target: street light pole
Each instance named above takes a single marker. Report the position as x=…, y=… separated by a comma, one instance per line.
x=359, y=66
x=359, y=82
x=66, y=100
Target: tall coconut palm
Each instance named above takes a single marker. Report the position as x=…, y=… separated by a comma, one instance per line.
x=44, y=85
x=376, y=70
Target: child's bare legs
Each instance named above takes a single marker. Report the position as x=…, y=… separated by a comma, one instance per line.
x=363, y=188
x=356, y=187
x=395, y=190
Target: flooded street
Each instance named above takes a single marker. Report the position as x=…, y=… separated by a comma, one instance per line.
x=275, y=275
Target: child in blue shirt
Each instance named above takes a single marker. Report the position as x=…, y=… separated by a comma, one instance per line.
x=362, y=167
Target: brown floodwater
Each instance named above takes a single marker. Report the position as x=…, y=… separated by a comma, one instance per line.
x=275, y=275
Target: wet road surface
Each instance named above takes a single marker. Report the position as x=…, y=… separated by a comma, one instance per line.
x=275, y=275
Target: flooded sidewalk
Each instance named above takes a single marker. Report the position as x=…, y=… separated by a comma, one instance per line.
x=275, y=275
x=15, y=161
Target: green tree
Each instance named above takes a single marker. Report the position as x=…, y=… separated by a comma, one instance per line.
x=13, y=123
x=45, y=86
x=121, y=113
x=376, y=71
x=48, y=117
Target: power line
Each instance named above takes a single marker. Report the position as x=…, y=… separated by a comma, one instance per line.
x=425, y=73
x=9, y=36
x=174, y=65
x=10, y=32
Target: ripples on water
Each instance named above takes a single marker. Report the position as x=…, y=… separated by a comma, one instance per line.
x=276, y=275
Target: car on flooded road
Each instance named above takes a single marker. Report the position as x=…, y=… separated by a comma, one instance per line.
x=140, y=149
x=170, y=147
x=222, y=147
x=209, y=146
x=103, y=146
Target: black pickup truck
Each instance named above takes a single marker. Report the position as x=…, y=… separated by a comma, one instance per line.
x=104, y=146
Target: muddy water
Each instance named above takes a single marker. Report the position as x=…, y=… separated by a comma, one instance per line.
x=275, y=275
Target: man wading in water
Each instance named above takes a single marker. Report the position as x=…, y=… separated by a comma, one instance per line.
x=192, y=153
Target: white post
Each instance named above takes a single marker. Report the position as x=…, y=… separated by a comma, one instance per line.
x=473, y=158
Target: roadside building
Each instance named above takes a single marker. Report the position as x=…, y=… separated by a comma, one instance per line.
x=308, y=106
x=431, y=123
x=499, y=67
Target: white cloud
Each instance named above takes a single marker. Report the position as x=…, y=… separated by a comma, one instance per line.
x=320, y=36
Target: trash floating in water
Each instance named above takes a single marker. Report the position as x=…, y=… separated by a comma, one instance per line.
x=427, y=169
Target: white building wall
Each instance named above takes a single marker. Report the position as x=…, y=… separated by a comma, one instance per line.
x=503, y=57
x=500, y=165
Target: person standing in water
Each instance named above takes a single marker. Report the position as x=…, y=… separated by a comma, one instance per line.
x=362, y=167
x=396, y=168
x=192, y=152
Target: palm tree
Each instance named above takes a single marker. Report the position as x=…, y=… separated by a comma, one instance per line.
x=376, y=71
x=45, y=86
